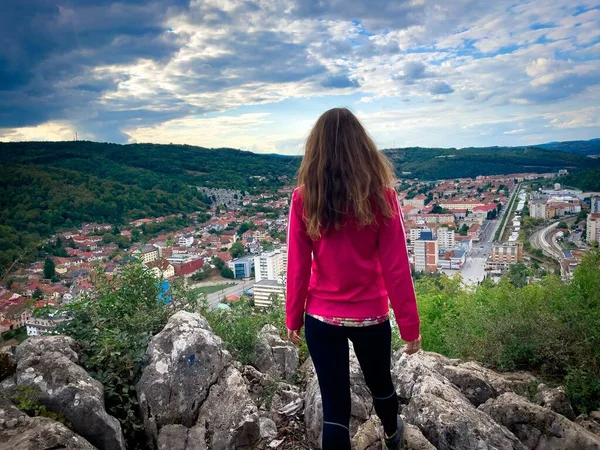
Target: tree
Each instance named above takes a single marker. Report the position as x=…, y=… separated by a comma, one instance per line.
x=562, y=225
x=37, y=293
x=245, y=227
x=463, y=230
x=59, y=242
x=237, y=250
x=49, y=269
x=226, y=272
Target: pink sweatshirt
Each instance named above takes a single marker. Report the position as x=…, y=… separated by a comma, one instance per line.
x=350, y=272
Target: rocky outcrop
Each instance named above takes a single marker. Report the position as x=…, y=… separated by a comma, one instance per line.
x=275, y=356
x=48, y=364
x=442, y=412
x=537, y=427
x=554, y=399
x=193, y=396
x=191, y=393
x=369, y=436
x=18, y=431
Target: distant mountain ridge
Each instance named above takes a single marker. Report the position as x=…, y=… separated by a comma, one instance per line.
x=586, y=148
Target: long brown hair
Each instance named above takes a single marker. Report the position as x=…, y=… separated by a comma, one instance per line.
x=342, y=173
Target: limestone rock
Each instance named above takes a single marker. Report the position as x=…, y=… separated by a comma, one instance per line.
x=185, y=360
x=275, y=356
x=537, y=427
x=445, y=416
x=587, y=422
x=18, y=431
x=452, y=425
x=8, y=386
x=178, y=437
x=268, y=429
x=556, y=399
x=49, y=365
x=228, y=414
x=369, y=436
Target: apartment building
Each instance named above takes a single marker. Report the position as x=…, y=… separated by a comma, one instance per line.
x=593, y=228
x=538, y=209
x=265, y=290
x=426, y=252
x=149, y=253
x=503, y=255
x=270, y=265
x=445, y=238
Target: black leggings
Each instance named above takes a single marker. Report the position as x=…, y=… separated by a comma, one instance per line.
x=328, y=347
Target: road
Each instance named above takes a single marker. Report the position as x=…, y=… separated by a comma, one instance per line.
x=473, y=270
x=544, y=240
x=215, y=298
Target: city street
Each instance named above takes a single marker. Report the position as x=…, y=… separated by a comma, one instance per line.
x=473, y=270
x=215, y=298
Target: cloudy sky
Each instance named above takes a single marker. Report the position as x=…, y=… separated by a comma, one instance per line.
x=256, y=74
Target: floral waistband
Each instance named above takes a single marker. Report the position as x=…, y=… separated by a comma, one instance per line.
x=350, y=322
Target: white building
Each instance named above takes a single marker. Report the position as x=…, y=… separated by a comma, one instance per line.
x=269, y=266
x=149, y=253
x=264, y=291
x=445, y=238
x=538, y=209
x=186, y=240
x=593, y=228
x=43, y=325
x=595, y=205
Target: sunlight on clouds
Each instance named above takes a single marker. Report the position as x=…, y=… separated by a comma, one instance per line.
x=246, y=131
x=587, y=117
x=50, y=131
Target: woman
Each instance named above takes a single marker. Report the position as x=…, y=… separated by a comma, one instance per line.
x=346, y=256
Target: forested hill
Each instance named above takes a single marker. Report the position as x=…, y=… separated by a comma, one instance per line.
x=439, y=163
x=48, y=185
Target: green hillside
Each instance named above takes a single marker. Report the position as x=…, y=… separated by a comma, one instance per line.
x=432, y=164
x=49, y=185
x=585, y=148
x=586, y=180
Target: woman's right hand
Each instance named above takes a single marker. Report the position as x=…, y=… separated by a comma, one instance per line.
x=413, y=347
x=294, y=336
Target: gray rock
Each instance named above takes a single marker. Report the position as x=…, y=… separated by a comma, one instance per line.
x=457, y=425
x=369, y=436
x=471, y=383
x=595, y=415
x=275, y=356
x=361, y=401
x=517, y=382
x=537, y=427
x=268, y=429
x=444, y=415
x=21, y=432
x=178, y=437
x=48, y=364
x=8, y=386
x=590, y=424
x=185, y=360
x=556, y=399
x=228, y=414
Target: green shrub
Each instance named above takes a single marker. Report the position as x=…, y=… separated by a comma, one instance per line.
x=551, y=328
x=239, y=326
x=114, y=328
x=26, y=399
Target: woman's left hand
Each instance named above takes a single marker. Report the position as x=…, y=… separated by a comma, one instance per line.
x=294, y=336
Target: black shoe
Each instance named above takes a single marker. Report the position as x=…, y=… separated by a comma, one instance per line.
x=395, y=442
